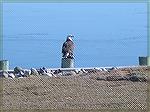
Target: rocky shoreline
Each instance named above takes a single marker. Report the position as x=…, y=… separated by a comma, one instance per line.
x=105, y=74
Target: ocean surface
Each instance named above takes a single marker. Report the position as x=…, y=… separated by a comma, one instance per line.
x=105, y=34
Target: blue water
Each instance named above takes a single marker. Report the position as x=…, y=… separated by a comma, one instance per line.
x=106, y=34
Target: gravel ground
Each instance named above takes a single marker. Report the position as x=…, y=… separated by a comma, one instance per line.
x=80, y=91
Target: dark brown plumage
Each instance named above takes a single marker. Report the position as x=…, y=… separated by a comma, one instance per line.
x=67, y=48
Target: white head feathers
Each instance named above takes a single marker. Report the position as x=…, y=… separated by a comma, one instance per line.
x=69, y=37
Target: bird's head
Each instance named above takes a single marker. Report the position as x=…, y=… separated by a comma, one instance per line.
x=69, y=37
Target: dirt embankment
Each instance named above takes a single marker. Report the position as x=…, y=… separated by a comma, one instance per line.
x=82, y=91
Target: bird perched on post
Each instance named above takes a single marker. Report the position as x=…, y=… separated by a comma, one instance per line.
x=68, y=47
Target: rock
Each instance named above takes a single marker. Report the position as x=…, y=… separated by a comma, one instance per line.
x=4, y=74
x=115, y=78
x=137, y=77
x=104, y=69
x=45, y=69
x=84, y=71
x=113, y=68
x=20, y=74
x=57, y=71
x=27, y=73
x=34, y=71
x=1, y=74
x=133, y=78
x=47, y=74
x=100, y=78
x=11, y=75
x=41, y=71
x=17, y=70
x=84, y=75
x=77, y=71
x=67, y=73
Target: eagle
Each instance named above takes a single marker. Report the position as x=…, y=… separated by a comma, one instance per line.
x=68, y=47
